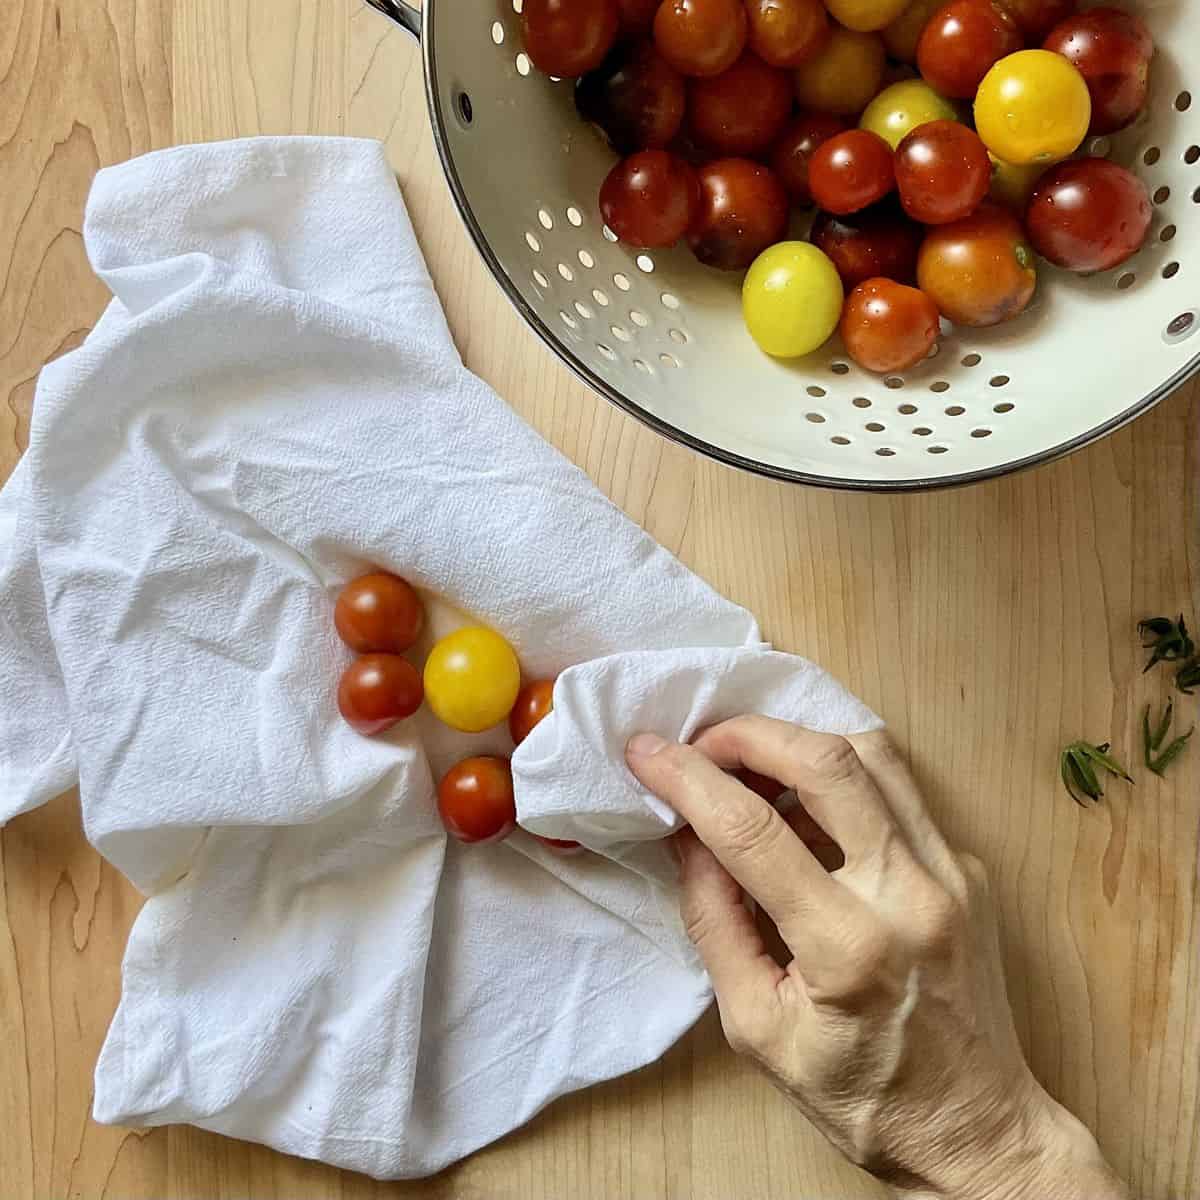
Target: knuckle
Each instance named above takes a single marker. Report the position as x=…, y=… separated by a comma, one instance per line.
x=937, y=922
x=974, y=872
x=865, y=965
x=827, y=756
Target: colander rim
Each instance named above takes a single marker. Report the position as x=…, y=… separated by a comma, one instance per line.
x=438, y=121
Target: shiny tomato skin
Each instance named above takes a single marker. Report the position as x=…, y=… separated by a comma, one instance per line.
x=943, y=172
x=741, y=111
x=962, y=42
x=888, y=326
x=978, y=271
x=476, y=800
x=903, y=35
x=785, y=33
x=700, y=37
x=794, y=150
x=534, y=702
x=850, y=171
x=650, y=199
x=843, y=74
x=377, y=690
x=879, y=241
x=568, y=38
x=1111, y=50
x=636, y=97
x=378, y=614
x=472, y=678
x=1035, y=18
x=743, y=210
x=636, y=17
x=1088, y=214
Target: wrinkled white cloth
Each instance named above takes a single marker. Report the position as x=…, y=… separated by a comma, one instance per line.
x=270, y=404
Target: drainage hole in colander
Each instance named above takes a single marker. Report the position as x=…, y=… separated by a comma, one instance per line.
x=1126, y=281
x=861, y=402
x=981, y=433
x=1168, y=232
x=815, y=417
x=972, y=360
x=574, y=216
x=644, y=367
x=893, y=381
x=814, y=390
x=566, y=272
x=518, y=5
x=1180, y=328
x=678, y=335
x=1003, y=408
x=1162, y=195
x=533, y=243
x=546, y=220
x=621, y=333
x=922, y=431
x=934, y=350
x=586, y=260
x=885, y=452
x=609, y=236
x=838, y=440
x=645, y=263
x=568, y=320
x=1170, y=270
x=639, y=318
x=600, y=297
x=998, y=381
x=668, y=360
x=937, y=449
x=669, y=301
x=1151, y=156
x=607, y=351
x=523, y=65
x=622, y=282
x=1183, y=101
x=462, y=104
x=874, y=427
x=955, y=410
x=582, y=309
x=1196, y=196
x=497, y=33
x=1099, y=147
x=940, y=386
x=540, y=279
x=1191, y=155
x=840, y=368
x=907, y=410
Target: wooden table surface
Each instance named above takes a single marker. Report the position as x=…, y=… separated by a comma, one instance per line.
x=988, y=625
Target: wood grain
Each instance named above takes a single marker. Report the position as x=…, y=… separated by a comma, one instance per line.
x=989, y=625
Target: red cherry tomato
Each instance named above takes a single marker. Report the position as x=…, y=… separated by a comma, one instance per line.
x=561, y=845
x=1088, y=214
x=569, y=37
x=650, y=198
x=378, y=613
x=795, y=149
x=636, y=16
x=1111, y=50
x=961, y=43
x=942, y=172
x=1036, y=18
x=850, y=171
x=476, y=801
x=636, y=97
x=742, y=110
x=863, y=245
x=534, y=701
x=786, y=33
x=700, y=37
x=378, y=690
x=888, y=326
x=743, y=210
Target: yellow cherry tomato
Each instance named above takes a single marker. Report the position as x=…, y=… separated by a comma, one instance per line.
x=472, y=678
x=902, y=35
x=865, y=15
x=844, y=74
x=791, y=299
x=1012, y=185
x=1032, y=106
x=899, y=109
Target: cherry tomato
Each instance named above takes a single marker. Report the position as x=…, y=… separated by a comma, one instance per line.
x=888, y=326
x=865, y=16
x=902, y=35
x=476, y=801
x=850, y=171
x=785, y=33
x=980, y=270
x=877, y=241
x=569, y=37
x=942, y=172
x=378, y=613
x=1112, y=50
x=1037, y=17
x=899, y=109
x=742, y=110
x=1013, y=185
x=795, y=148
x=743, y=210
x=559, y=845
x=1032, y=106
x=1088, y=215
x=636, y=16
x=791, y=299
x=636, y=97
x=843, y=75
x=472, y=678
x=700, y=37
x=962, y=42
x=650, y=198
x=378, y=690
x=534, y=701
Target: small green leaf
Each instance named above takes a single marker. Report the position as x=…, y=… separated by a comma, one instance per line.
x=1078, y=764
x=1171, y=753
x=1167, y=640
x=1153, y=739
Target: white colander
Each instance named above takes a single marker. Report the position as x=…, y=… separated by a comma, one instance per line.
x=662, y=336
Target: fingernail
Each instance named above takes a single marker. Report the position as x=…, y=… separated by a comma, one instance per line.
x=643, y=745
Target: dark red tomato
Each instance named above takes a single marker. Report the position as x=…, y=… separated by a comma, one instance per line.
x=636, y=16
x=863, y=245
x=850, y=171
x=476, y=801
x=942, y=172
x=378, y=613
x=786, y=33
x=1035, y=18
x=700, y=37
x=887, y=326
x=636, y=97
x=743, y=210
x=1112, y=51
x=795, y=149
x=569, y=37
x=1088, y=215
x=761, y=785
x=378, y=690
x=742, y=110
x=650, y=198
x=980, y=270
x=560, y=845
x=534, y=701
x=962, y=42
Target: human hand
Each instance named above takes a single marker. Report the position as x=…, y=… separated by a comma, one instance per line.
x=890, y=1028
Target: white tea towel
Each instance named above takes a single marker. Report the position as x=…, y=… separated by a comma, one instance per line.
x=271, y=404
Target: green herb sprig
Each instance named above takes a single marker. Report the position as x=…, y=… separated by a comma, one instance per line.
x=1159, y=759
x=1078, y=764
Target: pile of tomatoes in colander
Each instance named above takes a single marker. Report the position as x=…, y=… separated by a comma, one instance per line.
x=933, y=188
